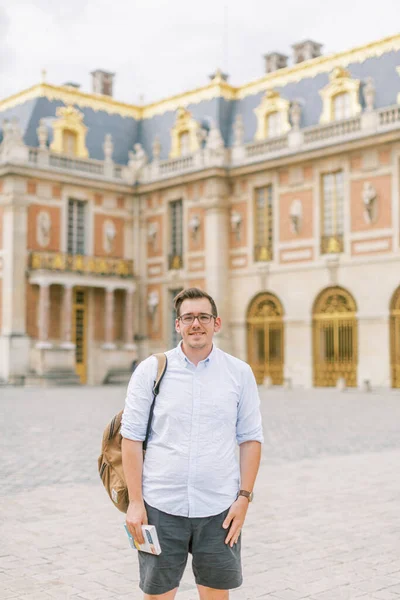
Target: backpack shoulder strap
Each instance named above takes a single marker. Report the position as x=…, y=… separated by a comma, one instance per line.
x=162, y=363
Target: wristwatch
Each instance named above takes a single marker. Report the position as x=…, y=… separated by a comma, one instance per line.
x=246, y=494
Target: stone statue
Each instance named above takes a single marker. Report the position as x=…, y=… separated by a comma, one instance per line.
x=109, y=235
x=215, y=148
x=108, y=147
x=295, y=115
x=43, y=134
x=43, y=228
x=369, y=196
x=369, y=94
x=137, y=161
x=12, y=146
x=238, y=131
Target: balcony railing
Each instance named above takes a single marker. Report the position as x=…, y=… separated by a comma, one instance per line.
x=262, y=253
x=175, y=262
x=321, y=133
x=332, y=244
x=389, y=116
x=77, y=263
x=266, y=146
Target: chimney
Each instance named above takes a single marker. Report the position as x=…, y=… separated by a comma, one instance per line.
x=275, y=61
x=306, y=51
x=102, y=82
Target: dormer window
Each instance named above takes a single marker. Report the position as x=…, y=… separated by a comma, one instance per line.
x=184, y=143
x=340, y=98
x=69, y=142
x=274, y=124
x=272, y=116
x=341, y=106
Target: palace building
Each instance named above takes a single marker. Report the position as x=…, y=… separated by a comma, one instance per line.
x=279, y=197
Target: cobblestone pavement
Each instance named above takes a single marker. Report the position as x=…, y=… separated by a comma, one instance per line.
x=325, y=524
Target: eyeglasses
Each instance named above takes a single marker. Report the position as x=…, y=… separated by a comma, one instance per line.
x=202, y=318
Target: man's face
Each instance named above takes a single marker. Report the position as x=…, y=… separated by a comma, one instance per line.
x=197, y=335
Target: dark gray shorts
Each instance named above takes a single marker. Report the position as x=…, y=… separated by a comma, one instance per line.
x=215, y=564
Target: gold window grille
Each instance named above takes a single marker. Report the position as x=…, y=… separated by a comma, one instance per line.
x=332, y=214
x=395, y=338
x=176, y=235
x=265, y=338
x=263, y=224
x=335, y=353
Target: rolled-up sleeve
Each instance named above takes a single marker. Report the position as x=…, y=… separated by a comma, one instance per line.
x=138, y=400
x=249, y=423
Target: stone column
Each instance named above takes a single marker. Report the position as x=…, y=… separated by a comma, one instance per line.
x=67, y=317
x=128, y=321
x=217, y=254
x=14, y=342
x=43, y=316
x=109, y=320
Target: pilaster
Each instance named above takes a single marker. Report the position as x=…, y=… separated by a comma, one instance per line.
x=216, y=206
x=14, y=345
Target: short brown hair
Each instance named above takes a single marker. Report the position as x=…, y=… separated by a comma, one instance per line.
x=193, y=294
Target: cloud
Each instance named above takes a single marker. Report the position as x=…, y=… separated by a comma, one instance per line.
x=159, y=47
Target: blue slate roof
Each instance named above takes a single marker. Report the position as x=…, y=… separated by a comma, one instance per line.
x=126, y=131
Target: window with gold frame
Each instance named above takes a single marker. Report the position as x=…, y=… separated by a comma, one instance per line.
x=69, y=142
x=184, y=143
x=341, y=106
x=332, y=212
x=263, y=224
x=274, y=124
x=176, y=235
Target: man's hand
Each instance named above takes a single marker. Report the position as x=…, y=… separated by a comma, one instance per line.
x=235, y=518
x=136, y=516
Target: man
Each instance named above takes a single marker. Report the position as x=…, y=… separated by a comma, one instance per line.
x=190, y=485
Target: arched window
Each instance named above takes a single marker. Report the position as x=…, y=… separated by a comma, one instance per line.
x=265, y=344
x=335, y=338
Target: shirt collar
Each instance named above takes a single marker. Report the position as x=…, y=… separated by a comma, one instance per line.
x=184, y=358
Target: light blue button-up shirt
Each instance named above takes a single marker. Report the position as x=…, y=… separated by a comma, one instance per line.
x=200, y=414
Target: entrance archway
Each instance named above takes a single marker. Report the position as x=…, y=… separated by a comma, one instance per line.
x=265, y=344
x=335, y=338
x=395, y=338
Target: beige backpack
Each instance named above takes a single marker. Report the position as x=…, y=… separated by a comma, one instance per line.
x=110, y=460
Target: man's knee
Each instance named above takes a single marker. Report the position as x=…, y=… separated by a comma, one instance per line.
x=207, y=593
x=167, y=596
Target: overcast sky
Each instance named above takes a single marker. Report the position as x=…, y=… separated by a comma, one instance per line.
x=160, y=48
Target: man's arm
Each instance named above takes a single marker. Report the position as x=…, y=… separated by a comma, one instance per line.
x=133, y=430
x=132, y=462
x=250, y=455
x=249, y=436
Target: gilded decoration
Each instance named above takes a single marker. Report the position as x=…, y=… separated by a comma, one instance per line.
x=272, y=104
x=395, y=338
x=340, y=82
x=69, y=127
x=335, y=338
x=184, y=125
x=76, y=263
x=265, y=343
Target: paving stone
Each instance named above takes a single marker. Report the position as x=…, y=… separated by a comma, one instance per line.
x=325, y=523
